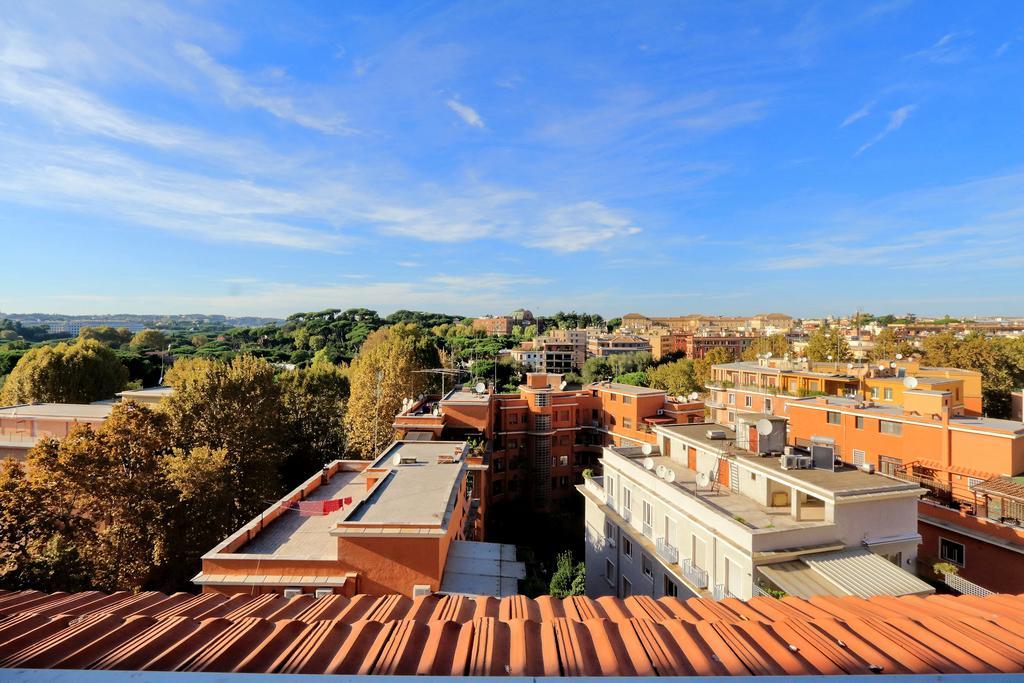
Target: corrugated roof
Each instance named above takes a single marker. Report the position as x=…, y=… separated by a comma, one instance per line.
x=452, y=635
x=863, y=573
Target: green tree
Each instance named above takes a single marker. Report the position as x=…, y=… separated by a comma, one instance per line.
x=381, y=376
x=828, y=344
x=636, y=379
x=702, y=366
x=82, y=372
x=235, y=406
x=623, y=363
x=775, y=344
x=677, y=378
x=314, y=407
x=888, y=345
x=595, y=369
x=569, y=577
x=152, y=340
x=198, y=340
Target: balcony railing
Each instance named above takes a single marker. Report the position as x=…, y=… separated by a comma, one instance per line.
x=666, y=551
x=694, y=574
x=626, y=514
x=721, y=593
x=648, y=531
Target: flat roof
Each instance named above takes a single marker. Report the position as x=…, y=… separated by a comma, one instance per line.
x=697, y=431
x=150, y=391
x=625, y=388
x=477, y=568
x=896, y=412
x=294, y=537
x=465, y=396
x=418, y=493
x=79, y=411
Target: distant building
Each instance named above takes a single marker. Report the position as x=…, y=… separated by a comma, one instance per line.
x=74, y=327
x=711, y=512
x=699, y=345
x=561, y=351
x=149, y=397
x=494, y=326
x=1017, y=406
x=406, y=530
x=615, y=344
x=23, y=426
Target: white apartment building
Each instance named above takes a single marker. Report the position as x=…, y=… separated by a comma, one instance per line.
x=700, y=514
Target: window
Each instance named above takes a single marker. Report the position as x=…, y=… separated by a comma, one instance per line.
x=834, y=417
x=627, y=423
x=627, y=547
x=767, y=405
x=748, y=402
x=611, y=397
x=858, y=457
x=563, y=460
x=858, y=422
x=889, y=466
x=951, y=551
x=647, y=566
x=888, y=394
x=627, y=400
x=973, y=481
x=671, y=589
x=732, y=398
x=513, y=418
x=609, y=532
x=609, y=572
x=648, y=519
x=563, y=482
x=627, y=587
x=627, y=499
x=499, y=464
x=874, y=392
x=889, y=427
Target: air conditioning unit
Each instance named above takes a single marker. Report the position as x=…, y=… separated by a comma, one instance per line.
x=290, y=593
x=868, y=467
x=716, y=434
x=790, y=462
x=788, y=450
x=323, y=592
x=804, y=462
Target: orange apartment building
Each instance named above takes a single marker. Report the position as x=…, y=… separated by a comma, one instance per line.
x=494, y=326
x=538, y=442
x=22, y=426
x=971, y=466
x=600, y=345
x=406, y=531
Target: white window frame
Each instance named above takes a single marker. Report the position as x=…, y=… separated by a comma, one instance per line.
x=963, y=551
x=647, y=566
x=627, y=547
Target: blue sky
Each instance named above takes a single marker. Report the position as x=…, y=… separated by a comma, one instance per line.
x=265, y=158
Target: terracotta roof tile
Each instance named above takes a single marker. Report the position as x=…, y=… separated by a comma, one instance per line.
x=457, y=635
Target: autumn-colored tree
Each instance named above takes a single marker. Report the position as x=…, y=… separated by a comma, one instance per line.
x=888, y=345
x=154, y=340
x=235, y=406
x=106, y=335
x=112, y=480
x=314, y=407
x=702, y=366
x=677, y=378
x=82, y=372
x=35, y=550
x=382, y=375
x=775, y=344
x=827, y=344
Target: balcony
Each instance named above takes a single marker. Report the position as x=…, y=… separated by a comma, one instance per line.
x=667, y=552
x=695, y=575
x=648, y=531
x=626, y=514
x=721, y=593
x=714, y=403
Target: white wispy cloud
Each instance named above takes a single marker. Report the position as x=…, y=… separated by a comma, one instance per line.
x=896, y=121
x=466, y=113
x=236, y=91
x=949, y=49
x=857, y=115
x=579, y=227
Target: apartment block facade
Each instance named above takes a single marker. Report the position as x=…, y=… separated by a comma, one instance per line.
x=610, y=345
x=707, y=512
x=23, y=426
x=538, y=441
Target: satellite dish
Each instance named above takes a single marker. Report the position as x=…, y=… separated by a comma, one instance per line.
x=849, y=366
x=892, y=364
x=680, y=399
x=480, y=387
x=661, y=471
x=910, y=382
x=768, y=355
x=670, y=476
x=397, y=460
x=881, y=366
x=648, y=464
x=703, y=479
x=765, y=427
x=647, y=449
x=562, y=385
x=899, y=356
x=694, y=396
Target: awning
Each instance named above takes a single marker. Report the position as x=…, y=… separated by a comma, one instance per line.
x=204, y=579
x=854, y=571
